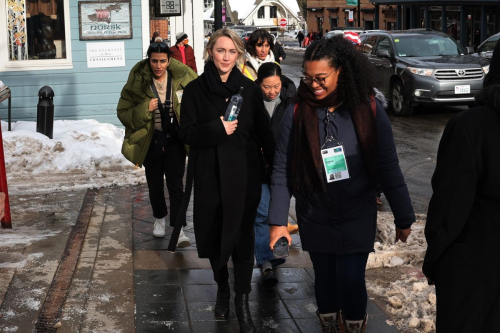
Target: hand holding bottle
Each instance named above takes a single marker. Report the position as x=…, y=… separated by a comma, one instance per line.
x=229, y=126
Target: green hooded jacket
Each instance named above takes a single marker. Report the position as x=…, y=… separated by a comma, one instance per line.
x=133, y=106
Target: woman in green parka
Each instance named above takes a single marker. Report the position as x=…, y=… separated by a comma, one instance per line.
x=149, y=108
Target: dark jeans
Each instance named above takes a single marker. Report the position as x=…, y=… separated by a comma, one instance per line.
x=170, y=164
x=340, y=283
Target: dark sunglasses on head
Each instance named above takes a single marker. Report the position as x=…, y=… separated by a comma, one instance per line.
x=161, y=46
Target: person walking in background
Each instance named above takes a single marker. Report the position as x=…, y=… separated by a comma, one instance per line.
x=333, y=145
x=227, y=168
x=463, y=226
x=259, y=50
x=300, y=38
x=183, y=52
x=279, y=53
x=149, y=108
x=155, y=34
x=353, y=37
x=277, y=92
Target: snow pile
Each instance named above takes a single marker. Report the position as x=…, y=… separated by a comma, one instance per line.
x=411, y=302
x=294, y=48
x=82, y=154
x=390, y=254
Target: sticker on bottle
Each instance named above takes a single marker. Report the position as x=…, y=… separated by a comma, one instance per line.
x=335, y=164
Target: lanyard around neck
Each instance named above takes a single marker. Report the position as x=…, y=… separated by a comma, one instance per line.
x=328, y=137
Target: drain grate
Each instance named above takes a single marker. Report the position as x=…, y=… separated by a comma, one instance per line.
x=51, y=310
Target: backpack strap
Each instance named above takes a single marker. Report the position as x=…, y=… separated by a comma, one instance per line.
x=373, y=105
x=295, y=113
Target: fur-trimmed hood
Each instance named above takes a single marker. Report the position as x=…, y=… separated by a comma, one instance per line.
x=381, y=98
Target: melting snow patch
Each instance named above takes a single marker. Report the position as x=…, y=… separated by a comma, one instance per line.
x=410, y=300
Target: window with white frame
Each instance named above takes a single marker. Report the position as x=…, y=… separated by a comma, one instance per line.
x=261, y=13
x=36, y=34
x=273, y=13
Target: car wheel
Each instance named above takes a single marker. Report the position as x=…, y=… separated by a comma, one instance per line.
x=399, y=102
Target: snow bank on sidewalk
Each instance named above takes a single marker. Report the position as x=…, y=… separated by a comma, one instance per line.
x=410, y=300
x=82, y=154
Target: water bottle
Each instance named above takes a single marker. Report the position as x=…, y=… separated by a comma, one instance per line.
x=234, y=106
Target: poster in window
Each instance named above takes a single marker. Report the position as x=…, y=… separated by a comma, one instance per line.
x=167, y=8
x=105, y=20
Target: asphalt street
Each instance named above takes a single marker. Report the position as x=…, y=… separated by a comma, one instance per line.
x=417, y=139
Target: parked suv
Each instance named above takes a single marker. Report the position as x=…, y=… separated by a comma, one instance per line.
x=423, y=68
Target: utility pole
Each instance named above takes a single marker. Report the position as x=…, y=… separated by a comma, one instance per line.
x=359, y=13
x=217, y=14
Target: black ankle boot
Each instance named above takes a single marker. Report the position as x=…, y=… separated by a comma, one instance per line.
x=243, y=314
x=222, y=304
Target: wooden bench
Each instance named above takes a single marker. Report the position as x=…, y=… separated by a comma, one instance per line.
x=4, y=94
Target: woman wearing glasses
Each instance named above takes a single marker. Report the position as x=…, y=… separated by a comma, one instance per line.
x=277, y=95
x=149, y=108
x=225, y=163
x=333, y=146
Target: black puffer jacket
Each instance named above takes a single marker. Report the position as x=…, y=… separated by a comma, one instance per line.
x=287, y=97
x=288, y=91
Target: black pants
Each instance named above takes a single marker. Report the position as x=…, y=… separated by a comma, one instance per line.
x=340, y=283
x=242, y=274
x=170, y=164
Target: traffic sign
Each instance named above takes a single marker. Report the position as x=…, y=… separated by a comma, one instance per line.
x=283, y=22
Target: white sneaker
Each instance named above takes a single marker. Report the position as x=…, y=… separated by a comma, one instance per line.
x=183, y=240
x=159, y=228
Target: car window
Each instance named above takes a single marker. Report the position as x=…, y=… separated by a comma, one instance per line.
x=369, y=45
x=489, y=44
x=385, y=44
x=426, y=45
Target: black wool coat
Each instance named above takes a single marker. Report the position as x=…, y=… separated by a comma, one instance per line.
x=463, y=223
x=228, y=170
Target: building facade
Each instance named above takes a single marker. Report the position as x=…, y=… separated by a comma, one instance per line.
x=264, y=14
x=42, y=42
x=468, y=21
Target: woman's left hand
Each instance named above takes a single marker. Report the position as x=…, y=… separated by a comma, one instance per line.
x=402, y=234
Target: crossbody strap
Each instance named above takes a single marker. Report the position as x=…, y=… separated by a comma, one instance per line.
x=161, y=106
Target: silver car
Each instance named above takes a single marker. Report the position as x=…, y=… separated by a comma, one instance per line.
x=415, y=68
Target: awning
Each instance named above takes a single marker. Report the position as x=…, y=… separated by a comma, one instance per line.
x=315, y=9
x=333, y=9
x=367, y=10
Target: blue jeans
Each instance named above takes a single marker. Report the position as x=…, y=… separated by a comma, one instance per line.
x=263, y=252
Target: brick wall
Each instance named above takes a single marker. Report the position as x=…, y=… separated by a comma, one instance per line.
x=158, y=25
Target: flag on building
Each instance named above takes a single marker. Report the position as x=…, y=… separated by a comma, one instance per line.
x=352, y=2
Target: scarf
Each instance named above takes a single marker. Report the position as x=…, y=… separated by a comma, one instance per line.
x=307, y=165
x=214, y=84
x=256, y=62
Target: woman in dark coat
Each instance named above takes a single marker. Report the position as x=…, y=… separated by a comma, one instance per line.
x=277, y=94
x=227, y=167
x=337, y=119
x=463, y=225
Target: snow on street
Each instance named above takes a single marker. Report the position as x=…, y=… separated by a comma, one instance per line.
x=82, y=154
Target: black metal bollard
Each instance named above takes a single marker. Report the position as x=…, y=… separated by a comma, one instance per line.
x=45, y=112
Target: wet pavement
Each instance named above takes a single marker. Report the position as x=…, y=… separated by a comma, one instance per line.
x=125, y=281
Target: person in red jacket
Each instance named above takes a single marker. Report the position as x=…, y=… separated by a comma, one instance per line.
x=183, y=52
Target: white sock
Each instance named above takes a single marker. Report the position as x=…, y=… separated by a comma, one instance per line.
x=267, y=266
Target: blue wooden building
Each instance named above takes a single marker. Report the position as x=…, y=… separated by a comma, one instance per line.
x=47, y=42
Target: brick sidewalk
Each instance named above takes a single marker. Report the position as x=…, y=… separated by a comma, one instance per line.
x=125, y=281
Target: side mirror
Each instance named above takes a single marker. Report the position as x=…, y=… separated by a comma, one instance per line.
x=470, y=49
x=383, y=54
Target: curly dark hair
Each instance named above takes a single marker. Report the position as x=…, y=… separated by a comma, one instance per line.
x=357, y=76
x=259, y=35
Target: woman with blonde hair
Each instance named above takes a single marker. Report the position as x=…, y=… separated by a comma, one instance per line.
x=226, y=167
